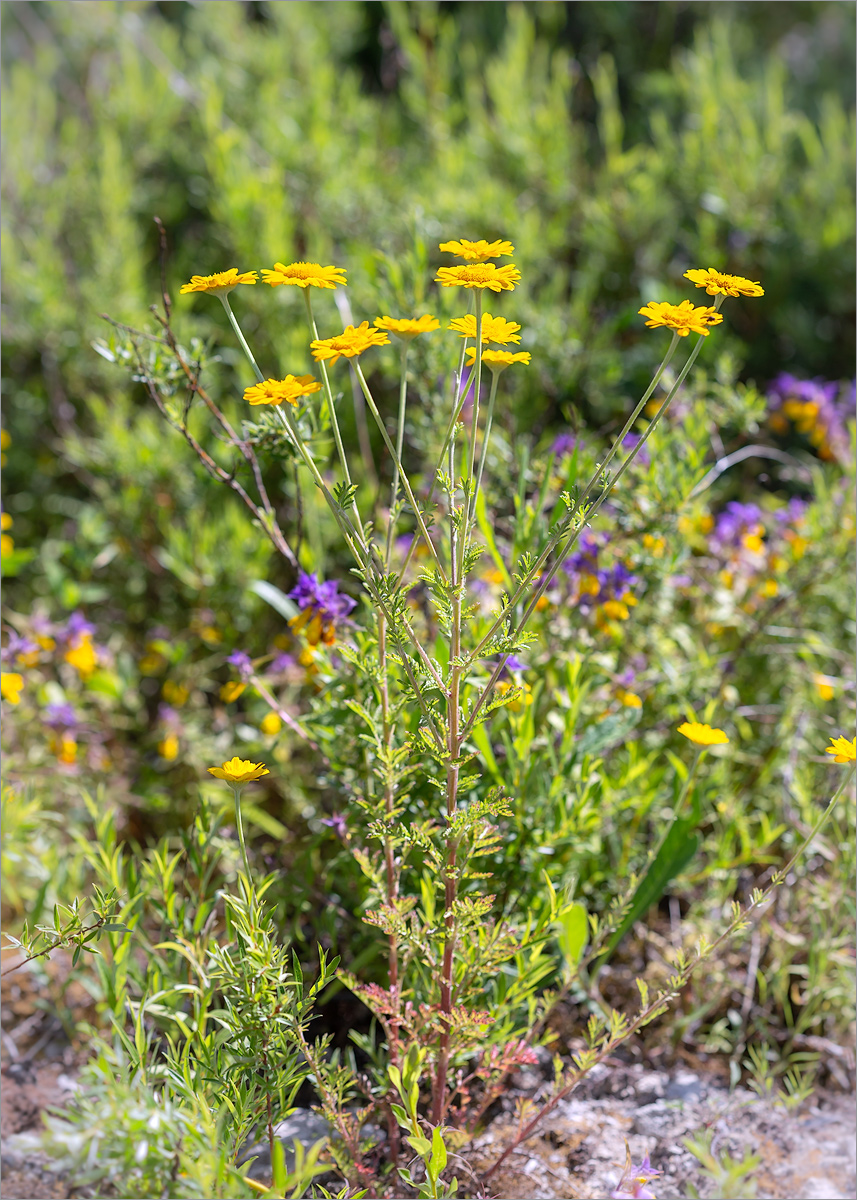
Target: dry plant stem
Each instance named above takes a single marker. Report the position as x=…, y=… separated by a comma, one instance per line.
x=397, y=463
x=677, y=982
x=49, y=949
x=265, y=515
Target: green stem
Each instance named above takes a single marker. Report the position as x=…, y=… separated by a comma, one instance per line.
x=397, y=462
x=328, y=393
x=489, y=418
x=224, y=300
x=237, y=789
x=400, y=441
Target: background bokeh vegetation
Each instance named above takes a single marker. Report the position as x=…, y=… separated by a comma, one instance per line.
x=616, y=144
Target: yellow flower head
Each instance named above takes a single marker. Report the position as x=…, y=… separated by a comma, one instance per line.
x=408, y=327
x=10, y=686
x=629, y=699
x=82, y=656
x=702, y=735
x=5, y=521
x=7, y=545
x=275, y=391
x=498, y=360
x=220, y=284
x=684, y=318
x=478, y=251
x=844, y=750
x=480, y=275
x=717, y=284
x=237, y=770
x=270, y=724
x=231, y=691
x=494, y=329
x=353, y=340
x=304, y=274
x=169, y=747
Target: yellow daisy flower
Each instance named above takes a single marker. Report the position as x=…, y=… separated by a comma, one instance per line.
x=407, y=327
x=718, y=284
x=238, y=770
x=10, y=686
x=219, y=284
x=305, y=274
x=169, y=747
x=498, y=360
x=480, y=275
x=275, y=391
x=702, y=735
x=494, y=329
x=353, y=340
x=478, y=251
x=684, y=318
x=231, y=691
x=844, y=750
x=270, y=724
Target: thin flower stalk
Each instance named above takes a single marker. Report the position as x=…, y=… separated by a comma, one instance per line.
x=224, y=300
x=328, y=395
x=397, y=463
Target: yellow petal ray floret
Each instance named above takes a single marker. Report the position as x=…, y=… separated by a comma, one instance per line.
x=684, y=318
x=238, y=770
x=718, y=284
x=498, y=360
x=844, y=750
x=494, y=329
x=480, y=275
x=304, y=274
x=702, y=735
x=478, y=251
x=219, y=284
x=353, y=340
x=275, y=391
x=407, y=327
x=10, y=686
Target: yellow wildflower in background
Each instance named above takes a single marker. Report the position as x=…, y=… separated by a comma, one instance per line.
x=498, y=360
x=844, y=750
x=82, y=656
x=7, y=544
x=221, y=283
x=480, y=275
x=275, y=391
x=231, y=691
x=238, y=770
x=684, y=318
x=169, y=747
x=718, y=284
x=5, y=443
x=305, y=274
x=10, y=686
x=408, y=327
x=629, y=699
x=702, y=735
x=175, y=693
x=824, y=686
x=478, y=251
x=494, y=329
x=271, y=724
x=353, y=340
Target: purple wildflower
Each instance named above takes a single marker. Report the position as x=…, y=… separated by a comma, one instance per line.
x=564, y=445
x=630, y=441
x=242, y=663
x=734, y=524
x=60, y=717
x=322, y=608
x=793, y=512
x=817, y=408
x=634, y=1181
x=77, y=627
x=337, y=823
x=283, y=662
x=17, y=647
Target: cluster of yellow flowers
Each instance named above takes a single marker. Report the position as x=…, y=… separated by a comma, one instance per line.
x=686, y=318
